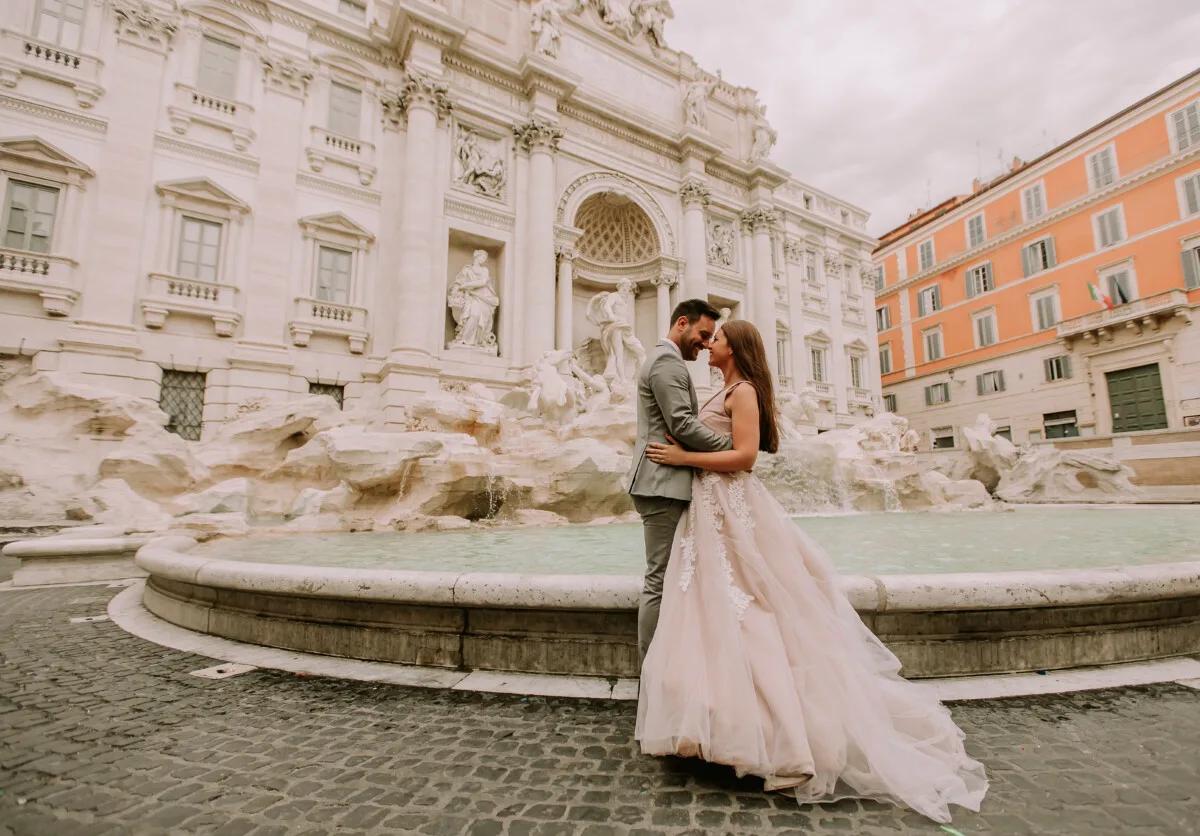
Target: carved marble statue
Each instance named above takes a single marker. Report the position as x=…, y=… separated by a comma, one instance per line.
x=546, y=25
x=613, y=313
x=763, y=136
x=480, y=169
x=616, y=13
x=720, y=244
x=554, y=394
x=651, y=16
x=695, y=100
x=473, y=302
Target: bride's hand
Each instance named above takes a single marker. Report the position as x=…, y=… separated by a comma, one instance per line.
x=670, y=454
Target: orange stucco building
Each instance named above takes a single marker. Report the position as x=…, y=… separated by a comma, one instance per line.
x=984, y=304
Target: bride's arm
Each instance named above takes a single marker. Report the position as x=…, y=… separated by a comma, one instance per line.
x=742, y=403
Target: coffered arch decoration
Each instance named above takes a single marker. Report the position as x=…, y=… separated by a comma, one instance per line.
x=615, y=231
x=599, y=182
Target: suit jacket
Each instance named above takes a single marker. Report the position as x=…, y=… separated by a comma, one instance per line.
x=667, y=404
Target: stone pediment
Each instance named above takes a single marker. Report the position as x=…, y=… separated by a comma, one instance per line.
x=818, y=336
x=337, y=223
x=203, y=190
x=857, y=343
x=37, y=152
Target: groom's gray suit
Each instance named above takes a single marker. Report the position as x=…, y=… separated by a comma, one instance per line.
x=666, y=404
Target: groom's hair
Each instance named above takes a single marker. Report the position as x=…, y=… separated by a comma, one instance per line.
x=693, y=309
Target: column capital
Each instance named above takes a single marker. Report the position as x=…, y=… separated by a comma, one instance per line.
x=665, y=279
x=833, y=263
x=759, y=219
x=419, y=90
x=286, y=74
x=694, y=192
x=537, y=134
x=565, y=251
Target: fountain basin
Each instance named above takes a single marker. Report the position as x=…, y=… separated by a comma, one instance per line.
x=939, y=624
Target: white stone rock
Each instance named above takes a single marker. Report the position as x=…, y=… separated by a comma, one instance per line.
x=316, y=501
x=155, y=464
x=112, y=501
x=451, y=523
x=229, y=497
x=363, y=459
x=538, y=517
x=207, y=526
x=261, y=439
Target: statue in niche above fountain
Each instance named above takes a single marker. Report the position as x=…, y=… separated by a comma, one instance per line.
x=763, y=136
x=479, y=168
x=546, y=25
x=473, y=301
x=612, y=312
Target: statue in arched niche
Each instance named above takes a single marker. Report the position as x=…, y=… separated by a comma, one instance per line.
x=612, y=312
x=473, y=301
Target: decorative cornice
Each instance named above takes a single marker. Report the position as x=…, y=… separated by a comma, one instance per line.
x=484, y=73
x=339, y=189
x=56, y=114
x=285, y=74
x=337, y=40
x=194, y=150
x=694, y=191
x=144, y=25
x=470, y=211
x=537, y=134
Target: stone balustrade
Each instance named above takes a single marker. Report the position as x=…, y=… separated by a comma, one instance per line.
x=51, y=277
x=168, y=294
x=318, y=316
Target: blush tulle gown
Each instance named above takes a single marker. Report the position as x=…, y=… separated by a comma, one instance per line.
x=760, y=662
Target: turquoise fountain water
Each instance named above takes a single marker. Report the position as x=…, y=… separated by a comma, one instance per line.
x=1023, y=538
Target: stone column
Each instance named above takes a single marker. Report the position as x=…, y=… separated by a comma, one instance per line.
x=839, y=374
x=424, y=101
x=565, y=297
x=663, y=285
x=539, y=137
x=761, y=280
x=695, y=197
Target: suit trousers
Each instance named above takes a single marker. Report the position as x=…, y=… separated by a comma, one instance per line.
x=660, y=517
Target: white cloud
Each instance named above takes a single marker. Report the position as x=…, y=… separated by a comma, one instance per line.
x=897, y=105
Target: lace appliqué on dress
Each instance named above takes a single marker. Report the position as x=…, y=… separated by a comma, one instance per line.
x=687, y=546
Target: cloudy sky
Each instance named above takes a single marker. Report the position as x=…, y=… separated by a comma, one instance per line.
x=898, y=104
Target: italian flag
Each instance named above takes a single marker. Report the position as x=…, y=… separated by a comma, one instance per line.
x=1097, y=296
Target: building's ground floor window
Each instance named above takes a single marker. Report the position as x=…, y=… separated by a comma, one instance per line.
x=943, y=438
x=1060, y=424
x=182, y=398
x=333, y=390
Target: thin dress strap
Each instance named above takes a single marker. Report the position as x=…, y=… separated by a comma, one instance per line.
x=725, y=391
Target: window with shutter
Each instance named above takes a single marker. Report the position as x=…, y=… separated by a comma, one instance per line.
x=1120, y=287
x=29, y=212
x=975, y=231
x=933, y=344
x=218, y=68
x=979, y=280
x=345, y=108
x=1191, y=194
x=199, y=249
x=1185, y=126
x=1102, y=168
x=937, y=393
x=879, y=278
x=1057, y=368
x=925, y=254
x=885, y=359
x=985, y=329
x=1037, y=256
x=333, y=275
x=1034, y=203
x=989, y=383
x=883, y=318
x=1109, y=228
x=889, y=403
x=1191, y=268
x=60, y=22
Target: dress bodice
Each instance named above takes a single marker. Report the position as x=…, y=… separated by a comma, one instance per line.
x=713, y=414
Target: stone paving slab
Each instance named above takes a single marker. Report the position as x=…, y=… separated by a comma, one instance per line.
x=102, y=732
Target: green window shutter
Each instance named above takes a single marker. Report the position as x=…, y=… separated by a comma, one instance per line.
x=978, y=384
x=1066, y=366
x=1191, y=191
x=988, y=279
x=1027, y=260
x=1046, y=366
x=1000, y=380
x=1191, y=268
x=1051, y=257
x=921, y=304
x=970, y=285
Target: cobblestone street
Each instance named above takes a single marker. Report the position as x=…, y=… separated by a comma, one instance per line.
x=101, y=732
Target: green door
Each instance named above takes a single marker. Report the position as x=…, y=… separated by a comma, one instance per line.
x=1136, y=399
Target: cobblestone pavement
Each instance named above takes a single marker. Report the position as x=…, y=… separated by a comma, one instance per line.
x=102, y=732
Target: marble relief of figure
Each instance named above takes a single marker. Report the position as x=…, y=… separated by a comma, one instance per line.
x=481, y=169
x=720, y=244
x=612, y=312
x=473, y=301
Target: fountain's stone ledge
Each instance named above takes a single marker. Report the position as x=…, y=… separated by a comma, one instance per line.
x=938, y=625
x=72, y=451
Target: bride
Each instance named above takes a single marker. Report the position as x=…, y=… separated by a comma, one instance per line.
x=759, y=660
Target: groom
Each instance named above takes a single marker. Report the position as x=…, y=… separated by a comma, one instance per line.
x=667, y=406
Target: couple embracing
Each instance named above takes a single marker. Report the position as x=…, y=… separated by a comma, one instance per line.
x=752, y=656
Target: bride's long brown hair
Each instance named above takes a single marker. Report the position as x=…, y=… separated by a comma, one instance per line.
x=750, y=357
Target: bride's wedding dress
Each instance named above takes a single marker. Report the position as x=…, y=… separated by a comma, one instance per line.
x=760, y=662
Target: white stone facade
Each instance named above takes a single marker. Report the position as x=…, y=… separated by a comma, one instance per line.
x=420, y=195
